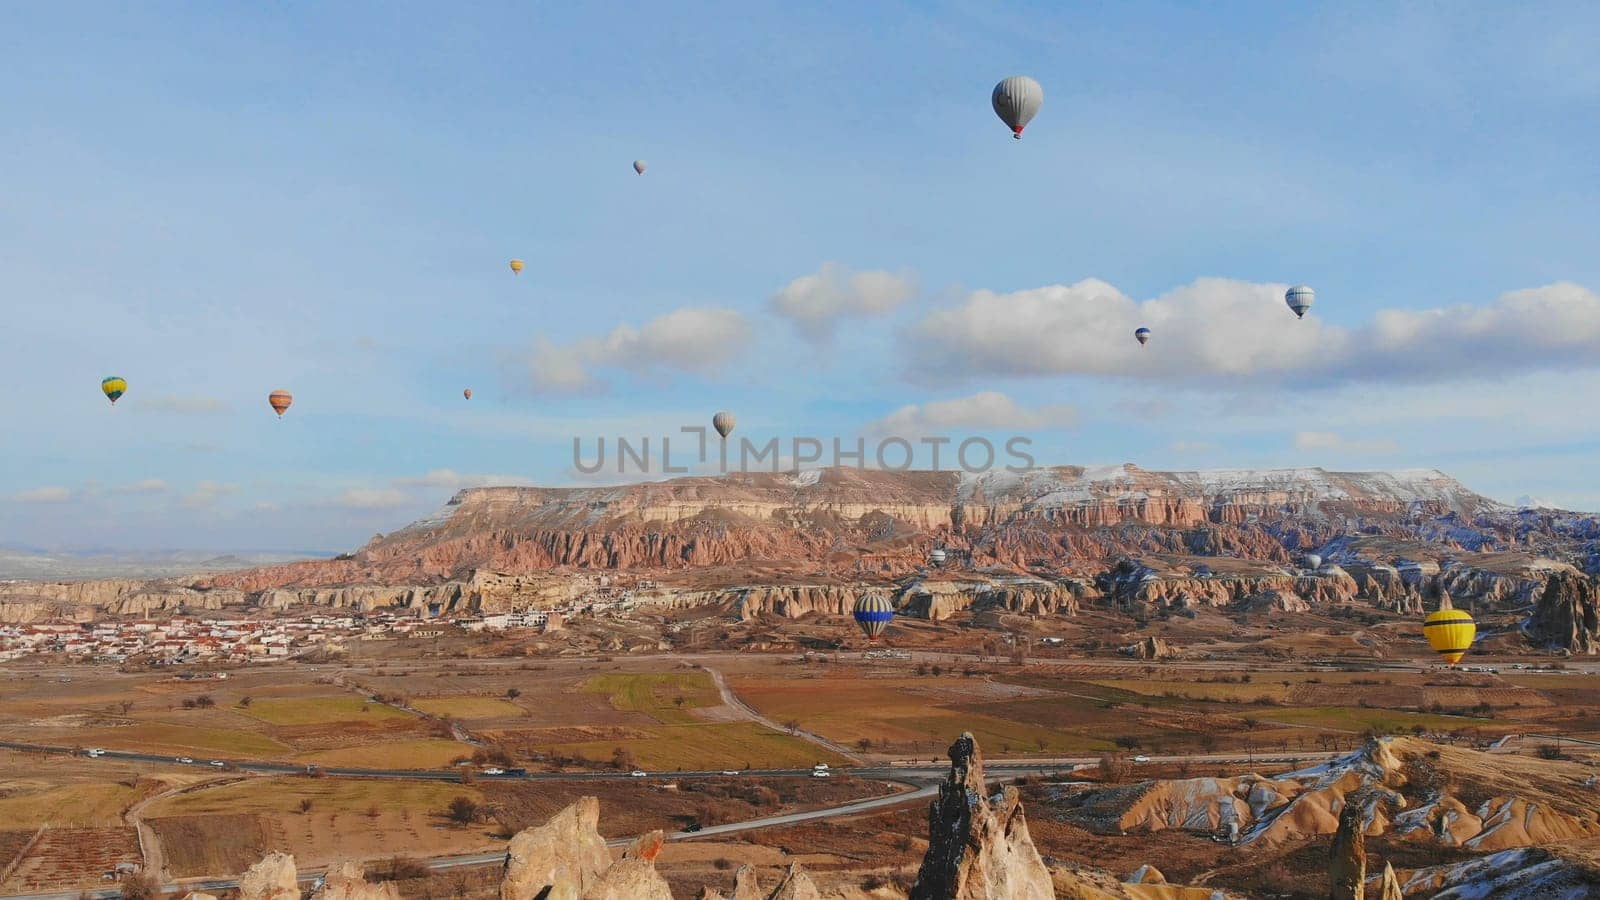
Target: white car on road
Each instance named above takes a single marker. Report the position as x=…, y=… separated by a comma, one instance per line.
x=186, y=760
x=1141, y=758
x=637, y=773
x=820, y=767
x=218, y=763
x=494, y=771
x=820, y=773
x=96, y=752
x=729, y=772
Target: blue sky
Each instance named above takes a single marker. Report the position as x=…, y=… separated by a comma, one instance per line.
x=217, y=200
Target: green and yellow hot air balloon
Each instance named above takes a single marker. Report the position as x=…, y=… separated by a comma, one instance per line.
x=113, y=388
x=1449, y=631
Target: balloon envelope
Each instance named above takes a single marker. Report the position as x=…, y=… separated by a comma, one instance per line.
x=1313, y=561
x=1016, y=101
x=873, y=613
x=937, y=556
x=1450, y=633
x=280, y=401
x=1142, y=335
x=639, y=166
x=1299, y=298
x=723, y=422
x=516, y=266
x=113, y=388
x=467, y=393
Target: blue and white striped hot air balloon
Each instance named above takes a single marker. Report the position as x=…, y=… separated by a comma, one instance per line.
x=873, y=613
x=1142, y=335
x=1300, y=297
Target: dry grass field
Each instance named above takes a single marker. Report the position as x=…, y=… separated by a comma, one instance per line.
x=323, y=710
x=468, y=707
x=221, y=844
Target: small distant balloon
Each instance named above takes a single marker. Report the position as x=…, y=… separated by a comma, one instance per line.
x=113, y=388
x=639, y=166
x=280, y=400
x=723, y=422
x=1313, y=561
x=467, y=393
x=938, y=556
x=1016, y=101
x=516, y=267
x=1142, y=335
x=1299, y=298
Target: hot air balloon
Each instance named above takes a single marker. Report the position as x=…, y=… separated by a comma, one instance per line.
x=113, y=388
x=280, y=400
x=723, y=422
x=1142, y=335
x=1313, y=561
x=1449, y=632
x=639, y=166
x=1016, y=100
x=937, y=557
x=467, y=393
x=516, y=267
x=1300, y=297
x=873, y=613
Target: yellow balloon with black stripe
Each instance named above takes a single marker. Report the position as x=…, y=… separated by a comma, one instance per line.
x=1450, y=633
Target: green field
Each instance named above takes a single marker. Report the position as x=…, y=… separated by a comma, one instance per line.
x=164, y=737
x=1355, y=718
x=327, y=710
x=283, y=795
x=658, y=695
x=468, y=707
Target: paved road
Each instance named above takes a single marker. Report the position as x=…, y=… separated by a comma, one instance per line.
x=912, y=772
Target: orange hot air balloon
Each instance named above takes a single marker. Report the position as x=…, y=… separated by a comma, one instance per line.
x=280, y=400
x=467, y=393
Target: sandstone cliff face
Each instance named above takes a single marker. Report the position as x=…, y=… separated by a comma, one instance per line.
x=559, y=860
x=273, y=878
x=1567, y=616
x=978, y=847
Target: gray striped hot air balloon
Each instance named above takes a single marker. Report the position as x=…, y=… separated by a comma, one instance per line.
x=873, y=613
x=1016, y=101
x=723, y=422
x=1300, y=297
x=639, y=166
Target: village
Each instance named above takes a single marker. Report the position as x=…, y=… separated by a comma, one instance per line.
x=191, y=639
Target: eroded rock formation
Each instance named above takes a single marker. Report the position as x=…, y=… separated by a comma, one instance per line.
x=978, y=846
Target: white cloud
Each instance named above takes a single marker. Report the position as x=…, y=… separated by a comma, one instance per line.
x=44, y=495
x=187, y=404
x=207, y=493
x=986, y=409
x=1222, y=331
x=686, y=340
x=449, y=478
x=371, y=498
x=147, y=486
x=1330, y=442
x=815, y=303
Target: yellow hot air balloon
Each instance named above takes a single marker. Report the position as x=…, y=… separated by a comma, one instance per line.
x=516, y=267
x=1449, y=632
x=280, y=400
x=113, y=388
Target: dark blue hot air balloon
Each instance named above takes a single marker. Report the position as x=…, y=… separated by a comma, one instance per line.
x=873, y=613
